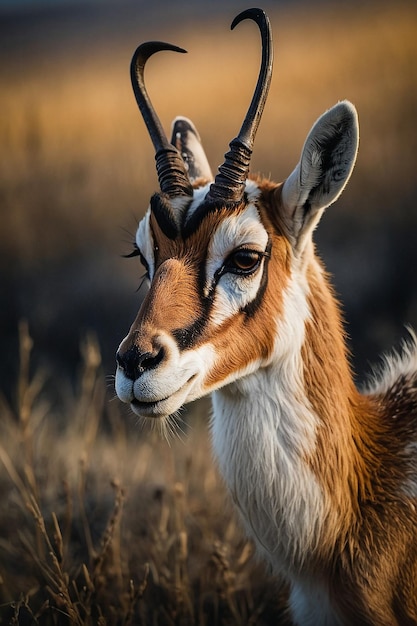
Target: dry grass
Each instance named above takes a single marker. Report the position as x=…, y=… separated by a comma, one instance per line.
x=103, y=525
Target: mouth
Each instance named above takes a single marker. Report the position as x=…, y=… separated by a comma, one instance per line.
x=163, y=407
x=149, y=409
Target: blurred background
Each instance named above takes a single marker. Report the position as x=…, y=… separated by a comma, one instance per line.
x=77, y=166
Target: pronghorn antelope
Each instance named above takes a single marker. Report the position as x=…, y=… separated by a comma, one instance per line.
x=239, y=306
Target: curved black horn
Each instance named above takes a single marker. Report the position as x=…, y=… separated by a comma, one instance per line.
x=172, y=174
x=229, y=183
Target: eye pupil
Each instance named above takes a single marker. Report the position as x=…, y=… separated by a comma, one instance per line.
x=245, y=260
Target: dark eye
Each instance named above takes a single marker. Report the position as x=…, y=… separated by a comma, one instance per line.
x=243, y=261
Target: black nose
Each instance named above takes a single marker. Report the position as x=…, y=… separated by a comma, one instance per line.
x=134, y=362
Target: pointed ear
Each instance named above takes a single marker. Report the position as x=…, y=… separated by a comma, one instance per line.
x=188, y=143
x=326, y=163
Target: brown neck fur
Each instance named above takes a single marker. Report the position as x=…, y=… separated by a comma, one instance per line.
x=347, y=451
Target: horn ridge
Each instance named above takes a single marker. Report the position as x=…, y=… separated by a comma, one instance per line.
x=172, y=174
x=229, y=183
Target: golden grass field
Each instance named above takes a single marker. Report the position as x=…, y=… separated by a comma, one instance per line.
x=105, y=524
x=103, y=521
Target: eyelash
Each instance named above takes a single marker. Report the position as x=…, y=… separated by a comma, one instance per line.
x=232, y=266
x=136, y=252
x=225, y=269
x=229, y=267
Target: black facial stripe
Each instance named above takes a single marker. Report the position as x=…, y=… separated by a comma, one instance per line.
x=162, y=210
x=250, y=309
x=189, y=226
x=186, y=337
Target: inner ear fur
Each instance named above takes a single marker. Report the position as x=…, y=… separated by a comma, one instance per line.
x=185, y=137
x=327, y=160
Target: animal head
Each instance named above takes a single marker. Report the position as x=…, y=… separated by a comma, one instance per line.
x=220, y=254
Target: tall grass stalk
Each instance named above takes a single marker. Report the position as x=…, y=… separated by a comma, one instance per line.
x=107, y=525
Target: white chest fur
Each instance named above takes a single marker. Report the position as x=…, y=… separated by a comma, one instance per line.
x=263, y=429
x=260, y=454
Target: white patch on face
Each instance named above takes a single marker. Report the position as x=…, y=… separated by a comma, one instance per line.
x=233, y=291
x=263, y=429
x=235, y=231
x=145, y=243
x=198, y=198
x=162, y=391
x=251, y=190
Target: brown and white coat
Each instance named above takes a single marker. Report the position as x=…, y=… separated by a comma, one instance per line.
x=239, y=306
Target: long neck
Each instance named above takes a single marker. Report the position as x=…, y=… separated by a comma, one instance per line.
x=289, y=438
x=346, y=444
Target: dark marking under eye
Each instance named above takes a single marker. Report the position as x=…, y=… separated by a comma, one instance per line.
x=187, y=337
x=250, y=309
